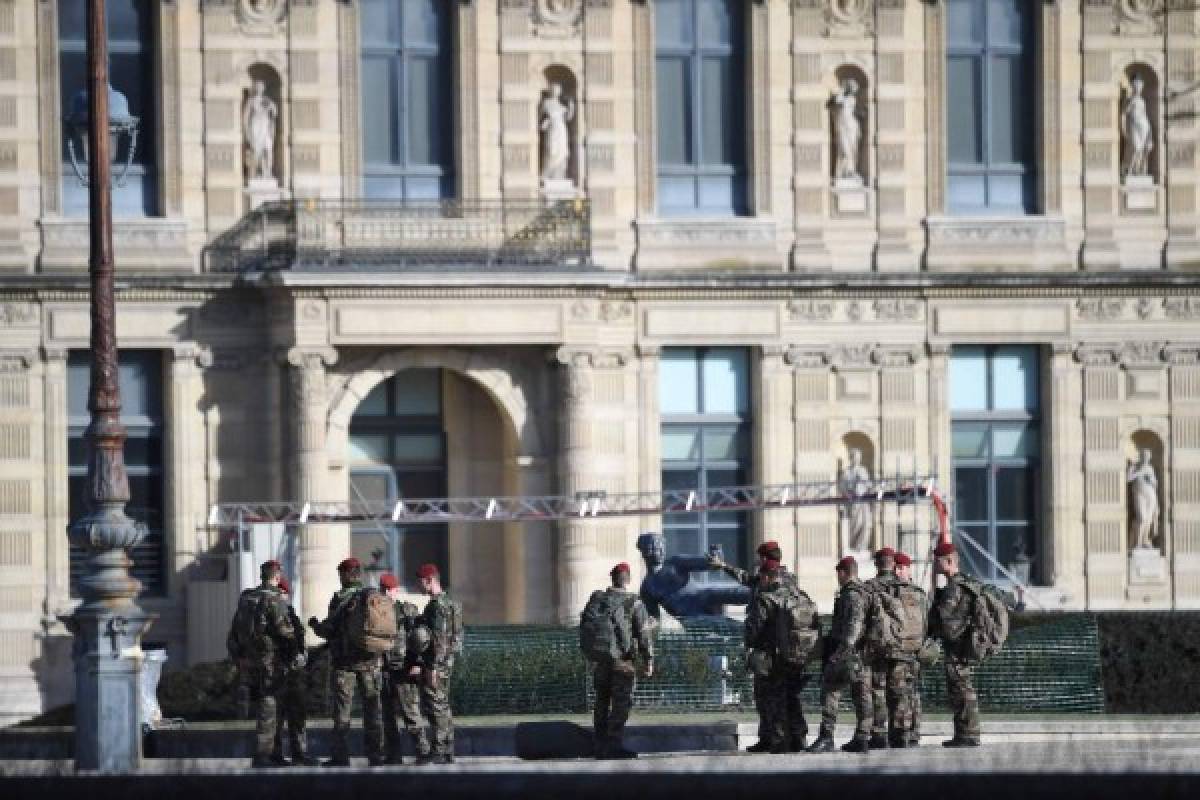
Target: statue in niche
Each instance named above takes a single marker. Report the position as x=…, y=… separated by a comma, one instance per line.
x=554, y=114
x=668, y=585
x=1143, y=490
x=855, y=482
x=847, y=132
x=1139, y=134
x=259, y=118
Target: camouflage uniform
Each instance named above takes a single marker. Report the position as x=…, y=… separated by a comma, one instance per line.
x=352, y=666
x=777, y=691
x=293, y=698
x=950, y=621
x=750, y=579
x=893, y=682
x=615, y=679
x=263, y=671
x=402, y=691
x=843, y=664
x=438, y=617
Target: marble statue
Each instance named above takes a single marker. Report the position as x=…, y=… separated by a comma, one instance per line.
x=667, y=584
x=258, y=121
x=554, y=114
x=854, y=482
x=1139, y=135
x=1143, y=486
x=847, y=132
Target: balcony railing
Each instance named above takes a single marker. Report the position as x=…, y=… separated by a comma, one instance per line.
x=386, y=235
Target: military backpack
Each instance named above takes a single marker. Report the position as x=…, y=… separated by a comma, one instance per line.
x=896, y=621
x=248, y=636
x=988, y=621
x=371, y=621
x=797, y=629
x=605, y=626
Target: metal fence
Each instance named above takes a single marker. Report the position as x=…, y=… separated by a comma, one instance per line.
x=384, y=235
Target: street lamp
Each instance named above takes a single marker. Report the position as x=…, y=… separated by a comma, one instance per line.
x=108, y=626
x=120, y=122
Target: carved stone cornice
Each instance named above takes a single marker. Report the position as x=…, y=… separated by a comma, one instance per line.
x=593, y=357
x=807, y=357
x=896, y=355
x=312, y=358
x=1098, y=354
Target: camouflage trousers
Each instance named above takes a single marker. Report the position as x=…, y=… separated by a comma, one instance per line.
x=435, y=706
x=402, y=703
x=370, y=683
x=777, y=697
x=614, y=681
x=293, y=699
x=833, y=683
x=964, y=702
x=893, y=684
x=265, y=682
x=914, y=734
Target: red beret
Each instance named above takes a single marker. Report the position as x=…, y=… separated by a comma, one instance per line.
x=388, y=581
x=944, y=549
x=884, y=551
x=765, y=548
x=903, y=560
x=622, y=567
x=284, y=586
x=349, y=563
x=272, y=564
x=428, y=571
x=847, y=563
x=770, y=564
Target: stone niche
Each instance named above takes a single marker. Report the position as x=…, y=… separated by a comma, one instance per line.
x=850, y=191
x=1141, y=174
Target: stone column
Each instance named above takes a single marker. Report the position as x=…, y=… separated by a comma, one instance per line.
x=577, y=544
x=772, y=450
x=939, y=417
x=309, y=470
x=185, y=454
x=58, y=558
x=1063, y=542
x=649, y=429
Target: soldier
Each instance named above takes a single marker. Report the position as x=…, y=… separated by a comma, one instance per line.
x=443, y=617
x=781, y=630
x=615, y=677
x=768, y=550
x=876, y=672
x=350, y=666
x=402, y=678
x=293, y=698
x=904, y=573
x=843, y=662
x=950, y=621
x=261, y=641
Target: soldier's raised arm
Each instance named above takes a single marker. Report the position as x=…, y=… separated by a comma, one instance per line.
x=643, y=630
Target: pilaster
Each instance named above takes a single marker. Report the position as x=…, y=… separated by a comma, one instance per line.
x=773, y=451
x=1063, y=542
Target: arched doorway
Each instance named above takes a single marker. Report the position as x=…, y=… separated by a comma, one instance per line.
x=433, y=432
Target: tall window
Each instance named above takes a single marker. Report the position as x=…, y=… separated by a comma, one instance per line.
x=140, y=377
x=398, y=450
x=131, y=57
x=704, y=399
x=991, y=102
x=701, y=90
x=407, y=97
x=995, y=412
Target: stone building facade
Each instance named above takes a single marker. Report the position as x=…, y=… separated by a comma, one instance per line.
x=949, y=234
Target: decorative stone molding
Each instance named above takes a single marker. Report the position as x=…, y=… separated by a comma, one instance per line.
x=897, y=309
x=1146, y=306
x=1182, y=354
x=1098, y=354
x=557, y=18
x=807, y=357
x=150, y=242
x=849, y=18
x=853, y=356
x=1139, y=17
x=1142, y=354
x=1182, y=307
x=18, y=315
x=1016, y=243
x=896, y=355
x=810, y=309
x=616, y=311
x=1100, y=308
x=16, y=360
x=593, y=358
x=701, y=242
x=261, y=17
x=312, y=358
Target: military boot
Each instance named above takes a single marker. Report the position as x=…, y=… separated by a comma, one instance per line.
x=898, y=740
x=797, y=742
x=761, y=746
x=822, y=744
x=859, y=744
x=304, y=760
x=878, y=741
x=962, y=741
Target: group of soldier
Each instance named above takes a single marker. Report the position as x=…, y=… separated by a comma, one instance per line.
x=882, y=631
x=405, y=677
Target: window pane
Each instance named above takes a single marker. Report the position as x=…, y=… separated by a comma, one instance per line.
x=1014, y=539
x=968, y=379
x=1015, y=379
x=673, y=22
x=715, y=22
x=970, y=441
x=1015, y=442
x=726, y=444
x=379, y=110
x=964, y=110
x=721, y=478
x=970, y=494
x=1014, y=493
x=419, y=392
x=718, y=116
x=379, y=22
x=964, y=22
x=1011, y=110
x=421, y=483
x=680, y=444
x=124, y=19
x=424, y=544
x=681, y=540
x=418, y=448
x=726, y=381
x=680, y=479
x=1007, y=21
x=423, y=21
x=426, y=140
x=371, y=447
x=731, y=541
x=372, y=486
x=674, y=111
x=143, y=452
x=72, y=19
x=678, y=382
x=375, y=403
x=970, y=559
